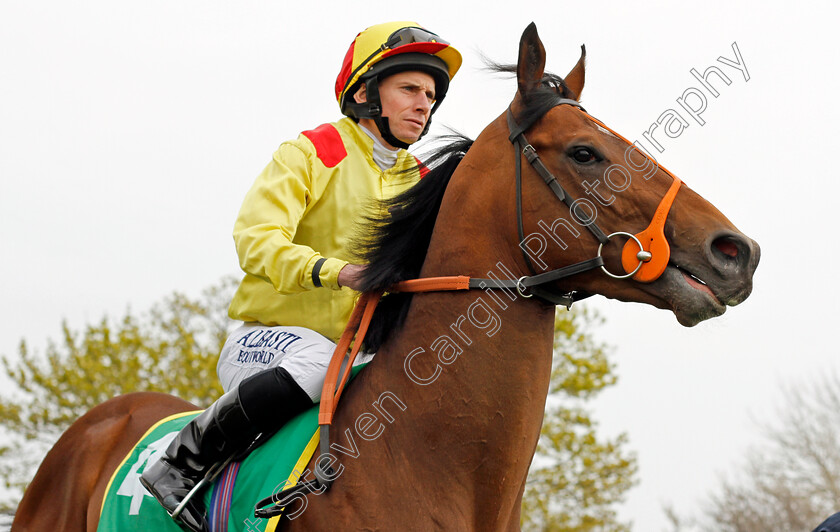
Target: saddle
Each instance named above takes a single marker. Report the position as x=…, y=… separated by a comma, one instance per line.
x=276, y=464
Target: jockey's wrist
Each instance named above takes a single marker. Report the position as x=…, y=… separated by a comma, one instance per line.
x=328, y=272
x=350, y=276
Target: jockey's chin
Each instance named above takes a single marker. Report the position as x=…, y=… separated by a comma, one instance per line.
x=408, y=130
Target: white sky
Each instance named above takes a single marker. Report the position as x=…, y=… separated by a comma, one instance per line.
x=129, y=133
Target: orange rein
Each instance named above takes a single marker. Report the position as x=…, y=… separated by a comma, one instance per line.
x=356, y=329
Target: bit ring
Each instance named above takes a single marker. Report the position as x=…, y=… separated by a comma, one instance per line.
x=643, y=256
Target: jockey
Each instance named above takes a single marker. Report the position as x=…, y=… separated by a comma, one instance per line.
x=293, y=235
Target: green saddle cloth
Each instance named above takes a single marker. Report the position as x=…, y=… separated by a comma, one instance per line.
x=129, y=507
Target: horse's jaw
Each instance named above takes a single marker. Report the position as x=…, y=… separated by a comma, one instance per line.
x=692, y=298
x=689, y=298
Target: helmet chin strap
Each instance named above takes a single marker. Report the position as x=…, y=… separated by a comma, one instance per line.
x=385, y=131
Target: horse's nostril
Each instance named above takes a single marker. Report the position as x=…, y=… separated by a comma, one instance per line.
x=726, y=246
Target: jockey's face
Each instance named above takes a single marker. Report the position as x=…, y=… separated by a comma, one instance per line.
x=407, y=99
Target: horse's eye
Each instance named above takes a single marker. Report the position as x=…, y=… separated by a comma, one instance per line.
x=584, y=155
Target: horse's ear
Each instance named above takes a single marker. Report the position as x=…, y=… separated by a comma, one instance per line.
x=531, y=65
x=574, y=79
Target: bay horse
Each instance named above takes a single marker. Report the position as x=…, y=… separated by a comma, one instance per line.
x=468, y=369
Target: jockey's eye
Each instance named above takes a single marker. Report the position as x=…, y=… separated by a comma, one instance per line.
x=584, y=155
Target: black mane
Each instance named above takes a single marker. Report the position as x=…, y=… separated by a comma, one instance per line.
x=395, y=246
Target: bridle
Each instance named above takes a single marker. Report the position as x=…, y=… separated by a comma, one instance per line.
x=538, y=286
x=644, y=257
x=643, y=263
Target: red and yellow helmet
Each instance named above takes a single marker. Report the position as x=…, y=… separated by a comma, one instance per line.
x=386, y=49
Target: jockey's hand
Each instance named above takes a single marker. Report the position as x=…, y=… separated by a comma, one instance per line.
x=350, y=276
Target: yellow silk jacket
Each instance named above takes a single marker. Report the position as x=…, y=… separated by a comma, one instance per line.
x=307, y=204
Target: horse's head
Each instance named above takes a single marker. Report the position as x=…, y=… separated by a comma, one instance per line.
x=700, y=262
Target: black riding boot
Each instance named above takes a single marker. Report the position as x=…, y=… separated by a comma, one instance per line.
x=261, y=404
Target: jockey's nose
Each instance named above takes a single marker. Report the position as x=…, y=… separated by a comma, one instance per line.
x=423, y=101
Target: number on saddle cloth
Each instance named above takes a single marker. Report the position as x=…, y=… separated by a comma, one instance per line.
x=270, y=468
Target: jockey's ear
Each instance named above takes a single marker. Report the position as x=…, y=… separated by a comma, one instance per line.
x=361, y=94
x=531, y=65
x=574, y=79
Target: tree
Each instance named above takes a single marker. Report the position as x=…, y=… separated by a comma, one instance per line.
x=174, y=350
x=577, y=477
x=791, y=479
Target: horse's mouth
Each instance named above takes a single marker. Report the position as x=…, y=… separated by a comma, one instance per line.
x=694, y=281
x=689, y=296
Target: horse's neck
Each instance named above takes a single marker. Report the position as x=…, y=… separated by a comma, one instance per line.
x=455, y=434
x=475, y=371
x=460, y=390
x=476, y=363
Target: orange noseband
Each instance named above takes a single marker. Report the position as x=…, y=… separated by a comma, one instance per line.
x=653, y=241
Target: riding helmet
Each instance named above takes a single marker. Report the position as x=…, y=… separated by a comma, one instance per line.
x=386, y=49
